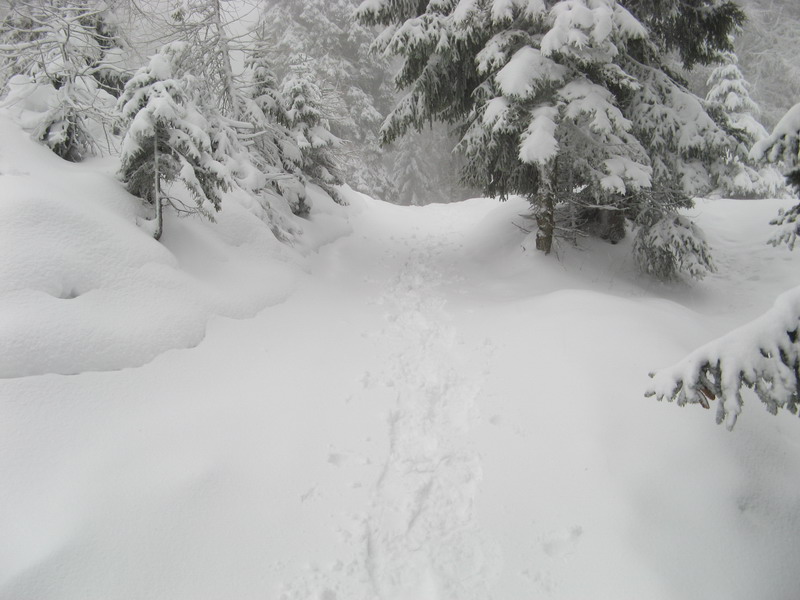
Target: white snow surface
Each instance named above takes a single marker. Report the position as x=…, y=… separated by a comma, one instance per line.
x=423, y=408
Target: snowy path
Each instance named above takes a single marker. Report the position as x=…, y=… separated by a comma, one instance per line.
x=418, y=534
x=424, y=418
x=422, y=538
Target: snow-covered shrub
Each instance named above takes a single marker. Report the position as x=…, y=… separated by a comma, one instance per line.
x=52, y=115
x=58, y=67
x=167, y=138
x=782, y=146
x=672, y=246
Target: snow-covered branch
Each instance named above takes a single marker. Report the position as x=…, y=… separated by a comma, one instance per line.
x=763, y=355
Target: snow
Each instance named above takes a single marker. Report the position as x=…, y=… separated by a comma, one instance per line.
x=503, y=10
x=411, y=404
x=538, y=142
x=778, y=146
x=628, y=24
x=88, y=291
x=495, y=112
x=463, y=10
x=621, y=170
x=584, y=97
x=758, y=352
x=526, y=71
x=572, y=19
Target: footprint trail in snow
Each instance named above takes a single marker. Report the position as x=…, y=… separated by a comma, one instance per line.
x=417, y=536
x=421, y=534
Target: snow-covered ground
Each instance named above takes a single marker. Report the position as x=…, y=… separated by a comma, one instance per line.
x=409, y=405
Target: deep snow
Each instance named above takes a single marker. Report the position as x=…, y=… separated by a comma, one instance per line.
x=411, y=404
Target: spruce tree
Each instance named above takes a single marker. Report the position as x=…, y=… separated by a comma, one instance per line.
x=782, y=147
x=273, y=148
x=167, y=138
x=569, y=104
x=58, y=67
x=409, y=173
x=249, y=136
x=307, y=117
x=729, y=94
x=323, y=36
x=763, y=355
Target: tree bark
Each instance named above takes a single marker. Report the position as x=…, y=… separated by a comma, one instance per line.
x=157, y=189
x=545, y=208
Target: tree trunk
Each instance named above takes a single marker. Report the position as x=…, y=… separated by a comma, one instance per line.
x=545, y=208
x=157, y=189
x=613, y=225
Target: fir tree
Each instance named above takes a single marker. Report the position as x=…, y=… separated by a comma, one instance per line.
x=782, y=147
x=58, y=62
x=408, y=173
x=305, y=109
x=272, y=144
x=167, y=138
x=249, y=136
x=324, y=35
x=763, y=355
x=729, y=90
x=424, y=168
x=768, y=47
x=568, y=104
x=729, y=94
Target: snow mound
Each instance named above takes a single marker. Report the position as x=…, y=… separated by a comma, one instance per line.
x=83, y=288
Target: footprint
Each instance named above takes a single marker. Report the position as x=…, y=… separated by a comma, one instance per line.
x=564, y=544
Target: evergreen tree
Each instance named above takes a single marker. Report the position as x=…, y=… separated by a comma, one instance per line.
x=568, y=104
x=782, y=147
x=305, y=107
x=768, y=47
x=409, y=173
x=425, y=168
x=167, y=138
x=251, y=138
x=763, y=355
x=323, y=36
x=729, y=90
x=729, y=93
x=58, y=67
x=274, y=149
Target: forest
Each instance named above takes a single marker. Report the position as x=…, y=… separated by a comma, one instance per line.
x=346, y=299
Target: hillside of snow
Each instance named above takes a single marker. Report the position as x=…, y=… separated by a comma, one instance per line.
x=408, y=404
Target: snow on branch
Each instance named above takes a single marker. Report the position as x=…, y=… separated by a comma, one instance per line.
x=783, y=147
x=782, y=144
x=763, y=355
